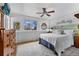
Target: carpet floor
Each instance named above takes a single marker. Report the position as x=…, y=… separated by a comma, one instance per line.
x=36, y=49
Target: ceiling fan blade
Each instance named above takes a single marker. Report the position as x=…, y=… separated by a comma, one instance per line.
x=42, y=15
x=39, y=13
x=50, y=11
x=47, y=14
x=76, y=15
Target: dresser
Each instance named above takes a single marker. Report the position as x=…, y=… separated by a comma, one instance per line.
x=7, y=39
x=9, y=42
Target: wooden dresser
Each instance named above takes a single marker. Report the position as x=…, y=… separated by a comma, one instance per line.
x=7, y=39
x=9, y=43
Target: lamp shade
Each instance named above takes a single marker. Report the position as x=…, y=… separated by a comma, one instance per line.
x=6, y=9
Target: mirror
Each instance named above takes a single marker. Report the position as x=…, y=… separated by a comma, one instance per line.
x=44, y=26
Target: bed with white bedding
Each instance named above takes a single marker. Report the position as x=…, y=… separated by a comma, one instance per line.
x=57, y=42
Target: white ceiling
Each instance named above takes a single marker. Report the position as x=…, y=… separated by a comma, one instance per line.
x=62, y=10
x=30, y=9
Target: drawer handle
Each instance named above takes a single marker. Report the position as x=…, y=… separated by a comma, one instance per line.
x=7, y=45
x=7, y=54
x=7, y=35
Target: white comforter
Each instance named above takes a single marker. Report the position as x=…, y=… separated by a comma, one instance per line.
x=60, y=42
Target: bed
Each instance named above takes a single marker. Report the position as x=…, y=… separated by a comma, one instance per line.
x=57, y=42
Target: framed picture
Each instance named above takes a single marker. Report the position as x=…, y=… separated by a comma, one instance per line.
x=17, y=25
x=30, y=25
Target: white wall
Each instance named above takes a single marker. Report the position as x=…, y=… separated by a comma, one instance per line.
x=19, y=19
x=25, y=35
x=22, y=36
x=17, y=8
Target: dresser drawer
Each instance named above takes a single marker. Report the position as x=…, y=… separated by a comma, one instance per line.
x=6, y=39
x=7, y=35
x=6, y=44
x=7, y=51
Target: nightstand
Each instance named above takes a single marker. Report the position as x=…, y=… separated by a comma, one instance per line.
x=76, y=41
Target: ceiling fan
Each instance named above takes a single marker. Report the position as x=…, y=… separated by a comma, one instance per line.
x=45, y=12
